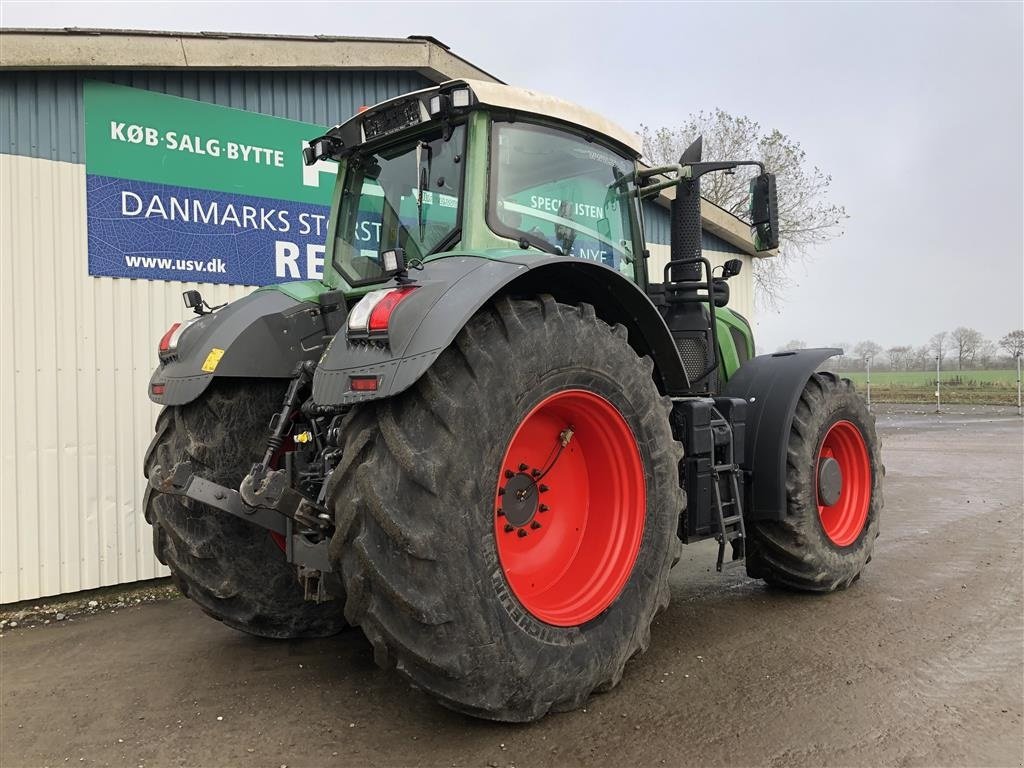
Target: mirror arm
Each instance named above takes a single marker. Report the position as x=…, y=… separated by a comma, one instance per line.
x=696, y=170
x=682, y=173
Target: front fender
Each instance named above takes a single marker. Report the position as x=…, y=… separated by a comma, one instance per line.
x=451, y=290
x=772, y=385
x=262, y=335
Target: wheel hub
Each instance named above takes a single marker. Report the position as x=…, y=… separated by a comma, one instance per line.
x=520, y=500
x=830, y=481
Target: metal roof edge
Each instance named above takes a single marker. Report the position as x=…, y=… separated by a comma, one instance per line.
x=76, y=48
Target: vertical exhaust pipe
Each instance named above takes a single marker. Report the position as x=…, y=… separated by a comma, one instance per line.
x=686, y=221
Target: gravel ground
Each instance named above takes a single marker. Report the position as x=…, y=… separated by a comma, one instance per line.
x=920, y=663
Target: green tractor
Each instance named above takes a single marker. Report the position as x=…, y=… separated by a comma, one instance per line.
x=483, y=437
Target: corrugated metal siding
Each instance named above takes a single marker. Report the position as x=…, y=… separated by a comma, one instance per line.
x=41, y=111
x=658, y=230
x=76, y=353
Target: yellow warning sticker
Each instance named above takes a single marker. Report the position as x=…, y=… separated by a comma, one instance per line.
x=212, y=359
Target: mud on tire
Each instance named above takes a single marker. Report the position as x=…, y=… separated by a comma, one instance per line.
x=414, y=502
x=233, y=570
x=796, y=553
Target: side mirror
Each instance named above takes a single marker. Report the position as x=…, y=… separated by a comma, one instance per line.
x=764, y=212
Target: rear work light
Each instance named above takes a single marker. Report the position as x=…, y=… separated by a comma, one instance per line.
x=372, y=314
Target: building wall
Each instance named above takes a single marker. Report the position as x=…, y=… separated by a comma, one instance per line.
x=76, y=351
x=41, y=112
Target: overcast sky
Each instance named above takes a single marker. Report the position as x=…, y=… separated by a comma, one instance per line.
x=915, y=110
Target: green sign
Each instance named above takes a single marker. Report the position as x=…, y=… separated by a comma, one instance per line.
x=183, y=190
x=136, y=134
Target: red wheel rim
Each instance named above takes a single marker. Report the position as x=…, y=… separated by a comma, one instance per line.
x=569, y=544
x=843, y=521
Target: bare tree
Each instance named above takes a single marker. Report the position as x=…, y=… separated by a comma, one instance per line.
x=841, y=361
x=806, y=217
x=921, y=359
x=966, y=342
x=867, y=350
x=938, y=345
x=792, y=345
x=1013, y=343
x=984, y=354
x=899, y=357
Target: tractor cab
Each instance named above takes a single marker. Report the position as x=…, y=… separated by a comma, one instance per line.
x=507, y=174
x=473, y=166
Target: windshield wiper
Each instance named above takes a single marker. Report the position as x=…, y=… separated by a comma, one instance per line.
x=422, y=181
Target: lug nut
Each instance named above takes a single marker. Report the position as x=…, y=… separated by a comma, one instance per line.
x=522, y=467
x=501, y=512
x=535, y=473
x=521, y=532
x=501, y=491
x=508, y=528
x=535, y=525
x=544, y=507
x=544, y=488
x=509, y=474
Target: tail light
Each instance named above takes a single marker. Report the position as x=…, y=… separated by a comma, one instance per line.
x=372, y=314
x=169, y=341
x=363, y=383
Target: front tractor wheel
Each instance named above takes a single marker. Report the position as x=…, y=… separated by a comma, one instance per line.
x=834, y=494
x=506, y=527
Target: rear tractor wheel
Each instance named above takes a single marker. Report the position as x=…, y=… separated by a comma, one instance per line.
x=834, y=494
x=235, y=571
x=506, y=527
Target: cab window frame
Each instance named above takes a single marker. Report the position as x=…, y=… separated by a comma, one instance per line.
x=371, y=148
x=501, y=229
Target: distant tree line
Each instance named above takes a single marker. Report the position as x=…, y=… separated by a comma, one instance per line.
x=962, y=349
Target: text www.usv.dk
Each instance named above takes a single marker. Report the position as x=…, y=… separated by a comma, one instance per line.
x=216, y=266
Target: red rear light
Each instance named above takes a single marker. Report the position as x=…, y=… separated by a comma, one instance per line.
x=380, y=316
x=362, y=383
x=158, y=389
x=165, y=341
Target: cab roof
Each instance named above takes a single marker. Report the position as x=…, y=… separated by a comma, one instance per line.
x=537, y=103
x=523, y=100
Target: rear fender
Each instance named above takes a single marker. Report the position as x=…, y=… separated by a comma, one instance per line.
x=771, y=385
x=451, y=290
x=263, y=335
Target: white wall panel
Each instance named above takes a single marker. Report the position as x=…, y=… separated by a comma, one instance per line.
x=76, y=353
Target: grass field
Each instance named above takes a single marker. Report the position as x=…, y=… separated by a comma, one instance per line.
x=958, y=387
